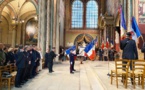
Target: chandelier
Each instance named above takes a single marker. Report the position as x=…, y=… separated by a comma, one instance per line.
x=16, y=19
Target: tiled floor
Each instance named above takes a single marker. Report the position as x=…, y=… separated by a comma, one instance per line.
x=92, y=75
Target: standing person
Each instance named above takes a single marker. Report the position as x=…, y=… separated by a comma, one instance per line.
x=6, y=55
x=51, y=56
x=111, y=54
x=62, y=54
x=101, y=54
x=129, y=48
x=11, y=55
x=46, y=59
x=71, y=56
x=20, y=63
x=2, y=55
x=105, y=54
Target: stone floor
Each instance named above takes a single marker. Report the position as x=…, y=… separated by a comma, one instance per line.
x=92, y=75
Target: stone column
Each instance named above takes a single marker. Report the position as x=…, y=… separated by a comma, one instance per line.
x=42, y=25
x=57, y=29
x=39, y=24
x=128, y=16
x=14, y=35
x=105, y=33
x=54, y=23
x=48, y=25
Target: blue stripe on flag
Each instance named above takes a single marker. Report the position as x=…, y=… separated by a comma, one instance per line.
x=123, y=23
x=71, y=48
x=135, y=27
x=89, y=47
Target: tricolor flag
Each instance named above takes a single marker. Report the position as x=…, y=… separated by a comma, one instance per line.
x=67, y=52
x=90, y=50
x=135, y=29
x=107, y=42
x=102, y=45
x=122, y=24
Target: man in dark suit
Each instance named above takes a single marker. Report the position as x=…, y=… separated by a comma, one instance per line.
x=101, y=54
x=20, y=63
x=71, y=56
x=129, y=48
x=50, y=58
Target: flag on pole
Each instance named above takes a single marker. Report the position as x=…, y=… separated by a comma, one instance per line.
x=102, y=45
x=122, y=24
x=90, y=50
x=135, y=29
x=67, y=52
x=107, y=42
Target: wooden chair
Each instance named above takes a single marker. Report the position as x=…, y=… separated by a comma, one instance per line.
x=138, y=71
x=121, y=70
x=6, y=80
x=13, y=72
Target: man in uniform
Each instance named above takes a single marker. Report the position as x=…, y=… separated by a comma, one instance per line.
x=129, y=48
x=71, y=56
x=20, y=63
x=50, y=57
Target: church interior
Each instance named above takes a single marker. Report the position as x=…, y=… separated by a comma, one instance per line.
x=63, y=24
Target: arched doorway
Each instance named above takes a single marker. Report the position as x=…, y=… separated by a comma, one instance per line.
x=83, y=38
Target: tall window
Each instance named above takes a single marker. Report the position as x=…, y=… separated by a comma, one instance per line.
x=92, y=14
x=84, y=14
x=77, y=14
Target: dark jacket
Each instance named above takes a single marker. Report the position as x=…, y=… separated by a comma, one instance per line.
x=11, y=57
x=28, y=57
x=51, y=56
x=129, y=49
x=71, y=56
x=33, y=58
x=101, y=51
x=20, y=61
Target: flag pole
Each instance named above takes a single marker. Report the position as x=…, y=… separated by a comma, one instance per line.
x=142, y=38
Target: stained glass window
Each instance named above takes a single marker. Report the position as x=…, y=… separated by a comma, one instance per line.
x=92, y=14
x=77, y=14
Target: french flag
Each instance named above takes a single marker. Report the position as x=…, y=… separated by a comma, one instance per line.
x=135, y=29
x=107, y=43
x=123, y=27
x=102, y=45
x=90, y=50
x=67, y=52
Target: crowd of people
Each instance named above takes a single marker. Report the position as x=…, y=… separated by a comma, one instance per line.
x=27, y=59
x=106, y=54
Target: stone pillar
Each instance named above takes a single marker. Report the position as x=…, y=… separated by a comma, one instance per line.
x=42, y=25
x=14, y=35
x=54, y=23
x=105, y=34
x=51, y=23
x=57, y=29
x=39, y=24
x=48, y=25
x=128, y=16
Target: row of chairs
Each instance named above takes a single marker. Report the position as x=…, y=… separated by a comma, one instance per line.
x=7, y=81
x=136, y=72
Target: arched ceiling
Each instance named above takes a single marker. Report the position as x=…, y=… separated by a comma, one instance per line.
x=17, y=8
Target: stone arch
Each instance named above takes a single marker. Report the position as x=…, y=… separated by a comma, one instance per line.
x=88, y=38
x=24, y=26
